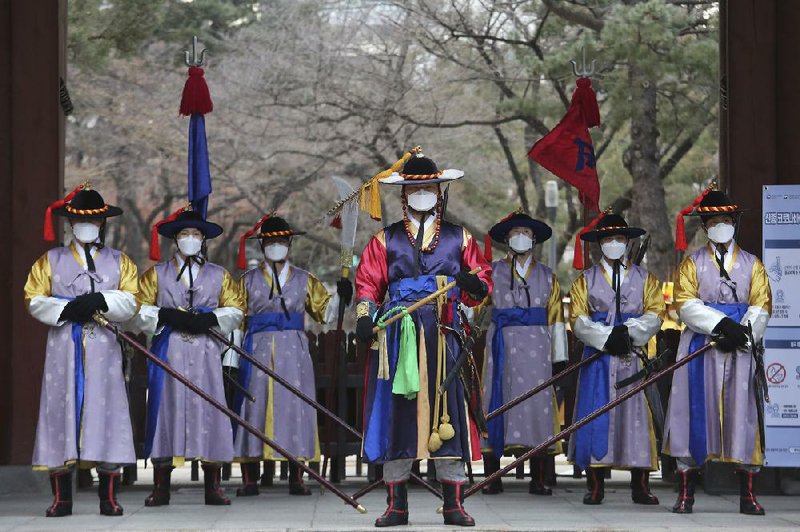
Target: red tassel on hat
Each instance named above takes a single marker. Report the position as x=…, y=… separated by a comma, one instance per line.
x=49, y=232
x=577, y=257
x=241, y=260
x=196, y=98
x=487, y=248
x=155, y=248
x=680, y=230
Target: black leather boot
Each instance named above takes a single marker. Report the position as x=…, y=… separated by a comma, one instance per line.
x=214, y=495
x=491, y=464
x=685, y=501
x=296, y=485
x=396, y=505
x=537, y=485
x=249, y=480
x=107, y=487
x=640, y=487
x=595, y=483
x=748, y=504
x=61, y=485
x=454, y=513
x=162, y=477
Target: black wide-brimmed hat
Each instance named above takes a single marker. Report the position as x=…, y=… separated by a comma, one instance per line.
x=612, y=225
x=275, y=226
x=715, y=203
x=87, y=204
x=269, y=226
x=189, y=219
x=421, y=170
x=82, y=203
x=541, y=231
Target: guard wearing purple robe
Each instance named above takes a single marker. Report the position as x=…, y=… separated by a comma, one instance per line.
x=526, y=338
x=616, y=307
x=83, y=412
x=406, y=419
x=181, y=300
x=277, y=296
x=712, y=412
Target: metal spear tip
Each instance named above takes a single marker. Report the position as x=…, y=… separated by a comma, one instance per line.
x=194, y=59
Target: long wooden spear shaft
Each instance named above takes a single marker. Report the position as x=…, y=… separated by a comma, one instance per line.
x=584, y=421
x=543, y=386
x=299, y=393
x=421, y=303
x=227, y=411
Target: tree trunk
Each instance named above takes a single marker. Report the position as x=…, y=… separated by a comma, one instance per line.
x=648, y=208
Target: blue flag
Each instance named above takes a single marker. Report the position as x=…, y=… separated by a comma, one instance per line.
x=199, y=174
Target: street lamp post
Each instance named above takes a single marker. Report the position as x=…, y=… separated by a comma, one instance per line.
x=551, y=204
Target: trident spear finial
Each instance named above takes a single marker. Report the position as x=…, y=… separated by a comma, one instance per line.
x=194, y=60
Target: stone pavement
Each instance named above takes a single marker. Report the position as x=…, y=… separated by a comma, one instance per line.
x=274, y=509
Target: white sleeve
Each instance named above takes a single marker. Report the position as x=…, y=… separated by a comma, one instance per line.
x=558, y=343
x=758, y=318
x=146, y=320
x=699, y=317
x=592, y=333
x=121, y=305
x=47, y=309
x=231, y=357
x=643, y=328
x=228, y=318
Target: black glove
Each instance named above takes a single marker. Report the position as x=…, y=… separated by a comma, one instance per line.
x=71, y=313
x=203, y=322
x=364, y=326
x=471, y=283
x=619, y=342
x=730, y=335
x=82, y=308
x=91, y=303
x=345, y=290
x=176, y=318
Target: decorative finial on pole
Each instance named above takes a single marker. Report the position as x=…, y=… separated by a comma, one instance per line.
x=194, y=60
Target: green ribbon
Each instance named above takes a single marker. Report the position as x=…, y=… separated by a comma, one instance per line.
x=406, y=377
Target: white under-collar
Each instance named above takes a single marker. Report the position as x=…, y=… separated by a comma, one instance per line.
x=609, y=269
x=283, y=274
x=82, y=253
x=179, y=260
x=429, y=221
x=728, y=256
x=522, y=266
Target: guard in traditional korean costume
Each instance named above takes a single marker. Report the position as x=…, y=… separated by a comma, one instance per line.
x=181, y=300
x=526, y=337
x=712, y=413
x=278, y=295
x=616, y=307
x=83, y=412
x=405, y=418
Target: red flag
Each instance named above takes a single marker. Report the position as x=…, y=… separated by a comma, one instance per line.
x=567, y=151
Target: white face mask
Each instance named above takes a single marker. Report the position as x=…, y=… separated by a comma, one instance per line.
x=721, y=233
x=85, y=232
x=422, y=200
x=276, y=252
x=189, y=245
x=520, y=243
x=613, y=250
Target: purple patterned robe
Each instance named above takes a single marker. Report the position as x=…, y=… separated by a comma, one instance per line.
x=105, y=433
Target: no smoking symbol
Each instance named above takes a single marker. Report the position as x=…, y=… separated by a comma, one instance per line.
x=776, y=373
